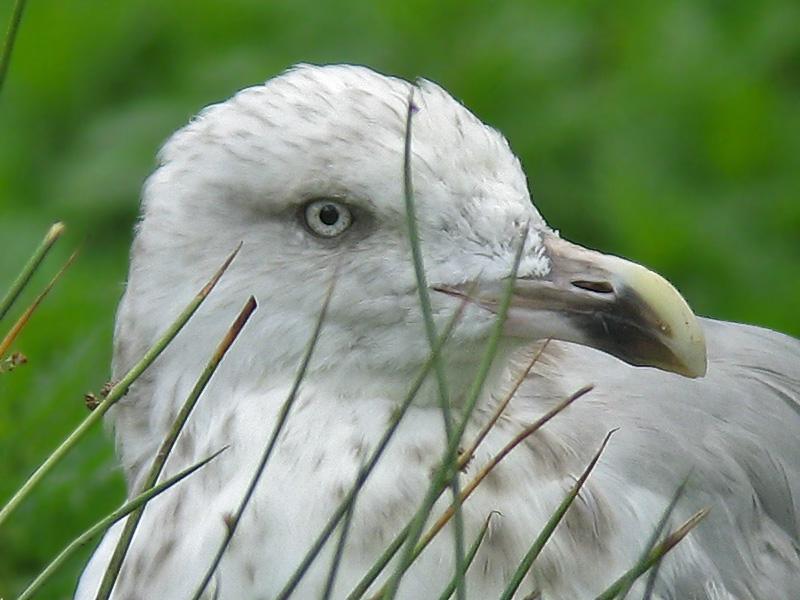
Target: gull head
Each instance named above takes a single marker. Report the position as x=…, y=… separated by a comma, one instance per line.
x=307, y=171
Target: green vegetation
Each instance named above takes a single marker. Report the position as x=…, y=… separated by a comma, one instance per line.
x=668, y=133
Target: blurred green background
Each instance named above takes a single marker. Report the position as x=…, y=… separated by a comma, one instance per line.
x=666, y=132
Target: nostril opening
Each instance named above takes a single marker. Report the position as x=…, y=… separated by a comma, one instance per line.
x=599, y=287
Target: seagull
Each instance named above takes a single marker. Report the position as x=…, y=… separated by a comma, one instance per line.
x=306, y=171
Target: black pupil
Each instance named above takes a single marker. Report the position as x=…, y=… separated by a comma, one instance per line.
x=329, y=214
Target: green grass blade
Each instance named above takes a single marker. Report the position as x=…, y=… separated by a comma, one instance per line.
x=540, y=541
x=102, y=525
x=24, y=319
x=116, y=392
x=469, y=558
x=233, y=522
x=430, y=331
x=494, y=339
x=339, y=552
x=375, y=570
x=380, y=564
x=651, y=543
x=468, y=453
x=362, y=475
x=655, y=555
x=10, y=39
x=451, y=453
x=434, y=530
x=160, y=459
x=34, y=261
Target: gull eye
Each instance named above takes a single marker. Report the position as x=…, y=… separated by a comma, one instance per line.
x=327, y=218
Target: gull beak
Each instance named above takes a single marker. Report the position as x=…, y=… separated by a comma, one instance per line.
x=611, y=304
x=607, y=303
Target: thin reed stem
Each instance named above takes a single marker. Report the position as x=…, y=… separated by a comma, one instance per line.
x=430, y=331
x=23, y=320
x=451, y=452
x=372, y=461
x=9, y=41
x=655, y=555
x=102, y=525
x=233, y=522
x=468, y=453
x=160, y=459
x=470, y=557
x=50, y=238
x=648, y=547
x=434, y=530
x=538, y=544
x=339, y=552
x=114, y=395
